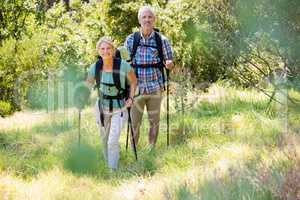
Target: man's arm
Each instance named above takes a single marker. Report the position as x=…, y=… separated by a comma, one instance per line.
x=168, y=53
x=129, y=43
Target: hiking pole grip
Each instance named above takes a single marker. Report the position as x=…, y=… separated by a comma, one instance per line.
x=132, y=135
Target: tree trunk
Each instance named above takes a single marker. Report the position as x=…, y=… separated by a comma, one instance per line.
x=50, y=3
x=67, y=4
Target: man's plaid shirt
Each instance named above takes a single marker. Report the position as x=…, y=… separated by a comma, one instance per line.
x=149, y=79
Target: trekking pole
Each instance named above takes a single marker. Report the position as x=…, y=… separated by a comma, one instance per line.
x=168, y=118
x=132, y=135
x=127, y=135
x=79, y=123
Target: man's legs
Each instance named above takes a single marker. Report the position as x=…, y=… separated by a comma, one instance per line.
x=153, y=104
x=136, y=116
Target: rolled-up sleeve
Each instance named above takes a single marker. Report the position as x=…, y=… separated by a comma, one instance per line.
x=129, y=43
x=167, y=49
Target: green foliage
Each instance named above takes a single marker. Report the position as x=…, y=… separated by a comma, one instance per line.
x=81, y=159
x=240, y=41
x=22, y=63
x=15, y=17
x=119, y=20
x=240, y=188
x=21, y=156
x=184, y=193
x=81, y=96
x=5, y=108
x=268, y=29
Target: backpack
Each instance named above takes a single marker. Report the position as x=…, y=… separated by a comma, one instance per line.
x=158, y=40
x=123, y=93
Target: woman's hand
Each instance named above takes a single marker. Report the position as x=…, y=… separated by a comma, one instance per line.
x=133, y=82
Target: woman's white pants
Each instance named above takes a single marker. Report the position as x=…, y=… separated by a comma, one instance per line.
x=110, y=134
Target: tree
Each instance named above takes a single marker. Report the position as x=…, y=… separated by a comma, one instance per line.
x=13, y=18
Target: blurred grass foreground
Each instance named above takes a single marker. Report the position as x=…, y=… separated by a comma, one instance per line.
x=226, y=145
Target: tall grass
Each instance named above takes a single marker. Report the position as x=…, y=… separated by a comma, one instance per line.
x=224, y=146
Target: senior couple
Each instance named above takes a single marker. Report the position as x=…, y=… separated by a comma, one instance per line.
x=148, y=50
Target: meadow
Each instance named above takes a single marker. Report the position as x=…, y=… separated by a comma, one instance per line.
x=227, y=144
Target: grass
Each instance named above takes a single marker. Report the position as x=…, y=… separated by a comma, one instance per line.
x=225, y=146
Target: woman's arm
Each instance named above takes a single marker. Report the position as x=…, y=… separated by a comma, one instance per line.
x=90, y=82
x=133, y=82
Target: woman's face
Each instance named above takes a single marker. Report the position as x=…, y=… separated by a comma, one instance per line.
x=105, y=50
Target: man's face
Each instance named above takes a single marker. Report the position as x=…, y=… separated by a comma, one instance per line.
x=147, y=20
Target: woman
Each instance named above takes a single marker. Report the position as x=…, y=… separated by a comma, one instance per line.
x=112, y=104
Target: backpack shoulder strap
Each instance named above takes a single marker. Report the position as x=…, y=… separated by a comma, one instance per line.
x=158, y=41
x=118, y=54
x=98, y=70
x=136, y=43
x=116, y=73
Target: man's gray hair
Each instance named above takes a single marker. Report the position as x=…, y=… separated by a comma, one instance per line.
x=145, y=8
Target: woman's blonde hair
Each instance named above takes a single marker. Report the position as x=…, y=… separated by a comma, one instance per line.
x=105, y=39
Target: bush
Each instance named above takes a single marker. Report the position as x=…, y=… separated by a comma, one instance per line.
x=37, y=97
x=81, y=159
x=5, y=108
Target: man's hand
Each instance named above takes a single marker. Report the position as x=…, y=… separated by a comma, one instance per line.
x=169, y=64
x=129, y=102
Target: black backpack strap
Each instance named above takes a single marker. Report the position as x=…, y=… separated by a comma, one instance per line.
x=116, y=73
x=136, y=43
x=159, y=46
x=118, y=54
x=98, y=77
x=158, y=41
x=156, y=29
x=117, y=79
x=98, y=72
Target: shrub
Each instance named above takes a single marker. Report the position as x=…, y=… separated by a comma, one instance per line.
x=5, y=108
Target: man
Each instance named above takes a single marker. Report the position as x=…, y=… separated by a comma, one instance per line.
x=148, y=67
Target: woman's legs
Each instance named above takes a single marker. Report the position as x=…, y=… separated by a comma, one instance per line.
x=110, y=135
x=113, y=150
x=103, y=130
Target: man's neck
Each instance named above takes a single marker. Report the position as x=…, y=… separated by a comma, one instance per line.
x=146, y=32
